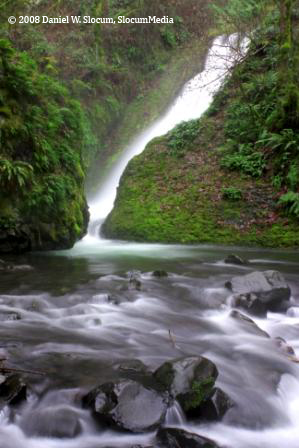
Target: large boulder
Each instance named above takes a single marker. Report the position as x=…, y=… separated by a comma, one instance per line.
x=259, y=292
x=128, y=405
x=178, y=438
x=191, y=381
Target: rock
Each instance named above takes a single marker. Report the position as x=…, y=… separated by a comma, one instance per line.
x=216, y=406
x=12, y=390
x=235, y=259
x=132, y=367
x=259, y=292
x=9, y=316
x=160, y=273
x=134, y=281
x=52, y=422
x=248, y=324
x=178, y=438
x=15, y=238
x=128, y=405
x=189, y=380
x=283, y=345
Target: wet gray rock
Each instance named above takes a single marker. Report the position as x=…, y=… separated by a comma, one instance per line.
x=259, y=292
x=235, y=259
x=12, y=390
x=134, y=280
x=216, y=406
x=178, y=438
x=132, y=367
x=248, y=324
x=128, y=405
x=189, y=380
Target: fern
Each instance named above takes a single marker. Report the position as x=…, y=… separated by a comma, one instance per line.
x=15, y=174
x=290, y=200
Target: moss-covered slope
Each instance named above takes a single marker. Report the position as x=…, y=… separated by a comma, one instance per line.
x=225, y=178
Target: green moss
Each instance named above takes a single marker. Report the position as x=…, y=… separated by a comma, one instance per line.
x=200, y=391
x=177, y=190
x=42, y=139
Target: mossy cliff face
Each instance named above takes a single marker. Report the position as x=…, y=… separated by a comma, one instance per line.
x=64, y=90
x=221, y=179
x=42, y=202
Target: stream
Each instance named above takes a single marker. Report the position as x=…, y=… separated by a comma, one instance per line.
x=75, y=317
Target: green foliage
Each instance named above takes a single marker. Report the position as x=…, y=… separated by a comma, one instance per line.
x=200, y=392
x=290, y=201
x=169, y=36
x=15, y=174
x=293, y=176
x=182, y=136
x=232, y=193
x=43, y=135
x=245, y=159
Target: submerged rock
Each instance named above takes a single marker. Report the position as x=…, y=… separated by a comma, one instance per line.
x=248, y=324
x=235, y=259
x=259, y=292
x=7, y=267
x=284, y=347
x=9, y=316
x=12, y=390
x=53, y=422
x=128, y=405
x=178, y=438
x=160, y=273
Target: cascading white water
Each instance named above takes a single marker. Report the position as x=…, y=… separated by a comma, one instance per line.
x=193, y=100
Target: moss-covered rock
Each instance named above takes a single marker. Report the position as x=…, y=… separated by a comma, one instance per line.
x=218, y=179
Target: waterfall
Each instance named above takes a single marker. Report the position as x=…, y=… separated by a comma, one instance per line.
x=193, y=100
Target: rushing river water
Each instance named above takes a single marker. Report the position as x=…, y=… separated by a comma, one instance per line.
x=75, y=317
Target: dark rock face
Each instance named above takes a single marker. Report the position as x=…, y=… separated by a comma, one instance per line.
x=128, y=405
x=248, y=324
x=189, y=380
x=235, y=259
x=216, y=406
x=259, y=292
x=15, y=239
x=178, y=438
x=159, y=274
x=12, y=390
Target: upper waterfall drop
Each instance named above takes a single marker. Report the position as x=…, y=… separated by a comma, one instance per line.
x=193, y=100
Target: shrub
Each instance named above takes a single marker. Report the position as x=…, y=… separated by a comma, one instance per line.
x=247, y=160
x=232, y=193
x=182, y=136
